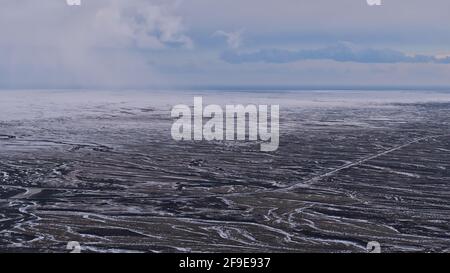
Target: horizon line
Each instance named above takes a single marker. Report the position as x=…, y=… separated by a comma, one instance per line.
x=246, y=87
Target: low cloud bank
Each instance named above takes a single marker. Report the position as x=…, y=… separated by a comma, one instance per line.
x=342, y=52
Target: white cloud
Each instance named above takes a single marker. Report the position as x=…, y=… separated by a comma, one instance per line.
x=144, y=24
x=95, y=44
x=234, y=39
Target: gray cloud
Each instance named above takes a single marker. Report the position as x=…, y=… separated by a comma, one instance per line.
x=100, y=43
x=403, y=18
x=342, y=52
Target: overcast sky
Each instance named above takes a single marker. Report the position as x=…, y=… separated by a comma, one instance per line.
x=143, y=43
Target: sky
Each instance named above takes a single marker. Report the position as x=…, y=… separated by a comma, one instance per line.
x=172, y=43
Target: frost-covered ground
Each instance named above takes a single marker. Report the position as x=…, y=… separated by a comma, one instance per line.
x=100, y=168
